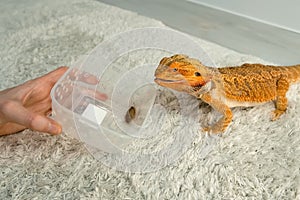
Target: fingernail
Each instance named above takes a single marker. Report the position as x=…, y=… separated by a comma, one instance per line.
x=54, y=129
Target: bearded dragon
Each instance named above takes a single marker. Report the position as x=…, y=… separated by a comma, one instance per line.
x=228, y=87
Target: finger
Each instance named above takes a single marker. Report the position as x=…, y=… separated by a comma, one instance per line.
x=54, y=75
x=16, y=113
x=88, y=78
x=97, y=95
x=83, y=77
x=10, y=128
x=68, y=100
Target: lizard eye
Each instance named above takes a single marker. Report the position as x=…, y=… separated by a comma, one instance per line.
x=175, y=69
x=197, y=74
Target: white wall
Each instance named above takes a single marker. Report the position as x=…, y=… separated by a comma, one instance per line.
x=285, y=14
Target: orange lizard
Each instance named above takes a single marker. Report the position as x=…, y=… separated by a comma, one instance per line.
x=227, y=87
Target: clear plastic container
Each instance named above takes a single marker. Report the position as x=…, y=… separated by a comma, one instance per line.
x=103, y=118
x=111, y=106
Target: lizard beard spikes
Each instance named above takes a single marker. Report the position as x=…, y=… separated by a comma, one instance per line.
x=181, y=73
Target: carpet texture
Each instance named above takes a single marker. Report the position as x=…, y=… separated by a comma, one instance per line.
x=255, y=159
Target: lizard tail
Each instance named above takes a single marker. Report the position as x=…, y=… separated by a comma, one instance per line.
x=294, y=73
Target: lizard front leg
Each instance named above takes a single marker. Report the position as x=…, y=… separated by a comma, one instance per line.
x=281, y=100
x=222, y=108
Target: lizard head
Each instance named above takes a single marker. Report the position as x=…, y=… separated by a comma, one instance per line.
x=184, y=74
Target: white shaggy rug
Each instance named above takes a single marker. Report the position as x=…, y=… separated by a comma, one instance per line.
x=255, y=159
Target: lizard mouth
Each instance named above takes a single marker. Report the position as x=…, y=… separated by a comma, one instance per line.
x=168, y=80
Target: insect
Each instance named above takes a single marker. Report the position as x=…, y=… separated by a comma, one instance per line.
x=130, y=114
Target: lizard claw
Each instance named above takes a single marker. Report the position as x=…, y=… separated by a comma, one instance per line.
x=206, y=129
x=276, y=114
x=212, y=129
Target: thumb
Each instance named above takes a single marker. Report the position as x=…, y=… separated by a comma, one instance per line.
x=43, y=124
x=16, y=113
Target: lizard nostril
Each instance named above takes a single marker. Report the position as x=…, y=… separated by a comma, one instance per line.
x=175, y=70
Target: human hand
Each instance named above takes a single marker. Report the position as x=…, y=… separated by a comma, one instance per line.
x=29, y=104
